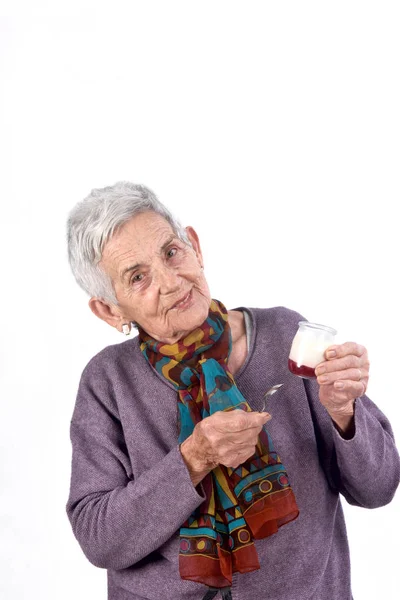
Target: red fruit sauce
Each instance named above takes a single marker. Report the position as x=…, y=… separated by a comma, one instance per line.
x=302, y=370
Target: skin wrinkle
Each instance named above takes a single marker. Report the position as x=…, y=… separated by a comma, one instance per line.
x=165, y=280
x=123, y=277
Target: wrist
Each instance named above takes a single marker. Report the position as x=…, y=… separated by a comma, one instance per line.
x=344, y=421
x=197, y=467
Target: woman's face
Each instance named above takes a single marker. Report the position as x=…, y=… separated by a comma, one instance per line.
x=158, y=279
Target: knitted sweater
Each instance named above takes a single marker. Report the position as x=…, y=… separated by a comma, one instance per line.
x=131, y=491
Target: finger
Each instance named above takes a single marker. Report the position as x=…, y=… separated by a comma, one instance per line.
x=350, y=389
x=240, y=443
x=237, y=420
x=340, y=350
x=234, y=459
x=350, y=374
x=350, y=361
x=244, y=436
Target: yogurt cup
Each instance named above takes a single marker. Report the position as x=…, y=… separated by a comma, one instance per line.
x=308, y=347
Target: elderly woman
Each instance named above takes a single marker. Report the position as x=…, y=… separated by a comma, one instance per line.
x=180, y=487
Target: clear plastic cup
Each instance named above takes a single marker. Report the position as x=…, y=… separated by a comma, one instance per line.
x=308, y=347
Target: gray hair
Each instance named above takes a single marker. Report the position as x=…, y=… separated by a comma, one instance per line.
x=95, y=219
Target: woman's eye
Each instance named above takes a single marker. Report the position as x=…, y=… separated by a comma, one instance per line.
x=171, y=252
x=137, y=277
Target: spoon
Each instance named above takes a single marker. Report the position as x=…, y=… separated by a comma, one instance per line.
x=269, y=392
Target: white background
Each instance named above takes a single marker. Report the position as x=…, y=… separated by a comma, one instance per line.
x=271, y=127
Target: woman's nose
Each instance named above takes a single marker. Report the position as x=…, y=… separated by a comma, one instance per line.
x=167, y=279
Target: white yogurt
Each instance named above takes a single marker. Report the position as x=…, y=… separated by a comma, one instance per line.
x=310, y=343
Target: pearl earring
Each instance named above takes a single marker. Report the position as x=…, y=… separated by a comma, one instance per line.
x=126, y=329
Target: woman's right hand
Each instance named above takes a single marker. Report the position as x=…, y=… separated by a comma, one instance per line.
x=226, y=438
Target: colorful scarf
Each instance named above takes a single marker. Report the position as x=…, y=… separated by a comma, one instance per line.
x=243, y=504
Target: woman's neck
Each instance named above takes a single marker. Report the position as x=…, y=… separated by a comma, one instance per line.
x=239, y=342
x=237, y=324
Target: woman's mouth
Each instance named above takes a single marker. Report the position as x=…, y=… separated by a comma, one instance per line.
x=185, y=302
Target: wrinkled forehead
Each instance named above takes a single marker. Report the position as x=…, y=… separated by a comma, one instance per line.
x=139, y=240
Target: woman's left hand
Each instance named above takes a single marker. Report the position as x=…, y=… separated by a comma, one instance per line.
x=342, y=377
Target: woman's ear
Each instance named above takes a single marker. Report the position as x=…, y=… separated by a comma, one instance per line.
x=194, y=240
x=106, y=312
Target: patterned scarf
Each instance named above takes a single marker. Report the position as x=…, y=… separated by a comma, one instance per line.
x=243, y=504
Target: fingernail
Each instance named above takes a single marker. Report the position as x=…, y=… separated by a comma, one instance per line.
x=320, y=370
x=323, y=379
x=339, y=385
x=331, y=353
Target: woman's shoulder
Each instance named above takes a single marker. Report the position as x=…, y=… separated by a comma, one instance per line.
x=278, y=322
x=279, y=317
x=112, y=358
x=100, y=381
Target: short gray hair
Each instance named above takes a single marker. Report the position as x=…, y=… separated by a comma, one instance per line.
x=95, y=219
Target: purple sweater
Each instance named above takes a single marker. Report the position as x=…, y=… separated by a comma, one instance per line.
x=131, y=491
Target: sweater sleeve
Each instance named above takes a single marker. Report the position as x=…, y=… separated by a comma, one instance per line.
x=366, y=468
x=118, y=519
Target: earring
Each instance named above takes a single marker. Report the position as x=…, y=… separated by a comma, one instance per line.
x=126, y=329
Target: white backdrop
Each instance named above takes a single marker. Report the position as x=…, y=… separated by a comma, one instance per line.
x=271, y=127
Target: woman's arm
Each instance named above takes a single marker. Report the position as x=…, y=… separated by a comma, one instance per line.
x=364, y=467
x=118, y=520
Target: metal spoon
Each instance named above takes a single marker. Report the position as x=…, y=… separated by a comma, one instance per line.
x=269, y=392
